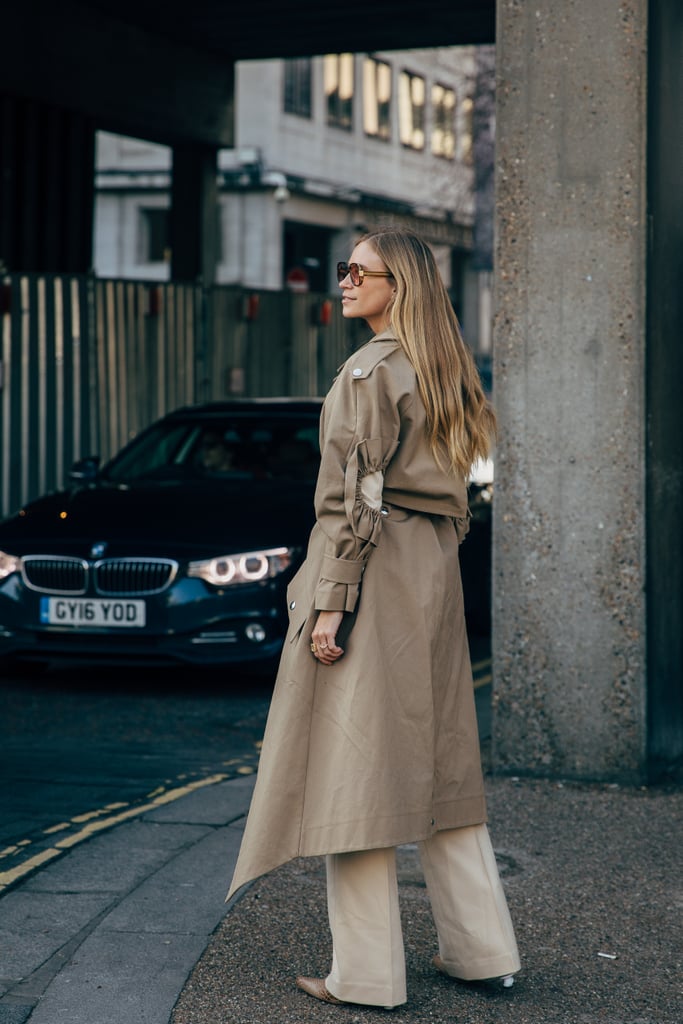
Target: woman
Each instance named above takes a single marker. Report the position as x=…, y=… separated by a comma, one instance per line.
x=372, y=739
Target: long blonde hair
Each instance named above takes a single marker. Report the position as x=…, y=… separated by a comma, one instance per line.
x=461, y=422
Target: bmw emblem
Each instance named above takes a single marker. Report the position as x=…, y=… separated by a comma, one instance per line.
x=98, y=549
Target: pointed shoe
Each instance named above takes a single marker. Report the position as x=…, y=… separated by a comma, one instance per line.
x=316, y=987
x=507, y=981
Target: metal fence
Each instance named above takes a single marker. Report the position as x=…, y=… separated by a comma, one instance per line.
x=86, y=363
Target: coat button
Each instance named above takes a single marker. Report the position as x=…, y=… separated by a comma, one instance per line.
x=357, y=372
x=292, y=604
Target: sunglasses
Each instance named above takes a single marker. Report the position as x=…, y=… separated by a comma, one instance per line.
x=357, y=273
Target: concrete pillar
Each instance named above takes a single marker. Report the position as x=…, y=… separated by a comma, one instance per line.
x=664, y=376
x=47, y=158
x=194, y=214
x=569, y=613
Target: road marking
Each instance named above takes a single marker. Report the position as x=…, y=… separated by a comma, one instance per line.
x=7, y=877
x=481, y=671
x=96, y=823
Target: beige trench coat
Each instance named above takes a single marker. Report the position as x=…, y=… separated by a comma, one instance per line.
x=380, y=748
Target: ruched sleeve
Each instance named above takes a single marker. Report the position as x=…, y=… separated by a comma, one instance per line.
x=462, y=526
x=360, y=434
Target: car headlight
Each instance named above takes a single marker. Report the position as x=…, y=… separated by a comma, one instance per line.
x=249, y=567
x=8, y=564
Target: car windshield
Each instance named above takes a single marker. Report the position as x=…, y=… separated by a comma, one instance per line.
x=230, y=447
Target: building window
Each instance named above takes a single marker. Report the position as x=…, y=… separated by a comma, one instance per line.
x=465, y=137
x=377, y=98
x=411, y=110
x=297, y=86
x=338, y=76
x=154, y=234
x=443, y=130
x=306, y=256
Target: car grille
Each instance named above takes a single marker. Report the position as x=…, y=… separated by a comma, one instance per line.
x=55, y=575
x=119, y=576
x=111, y=576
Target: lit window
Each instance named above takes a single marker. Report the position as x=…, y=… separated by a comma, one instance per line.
x=297, y=87
x=443, y=130
x=465, y=139
x=411, y=110
x=338, y=76
x=377, y=98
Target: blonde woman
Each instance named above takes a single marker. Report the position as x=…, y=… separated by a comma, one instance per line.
x=372, y=739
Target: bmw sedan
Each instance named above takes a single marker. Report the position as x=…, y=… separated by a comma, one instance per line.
x=178, y=550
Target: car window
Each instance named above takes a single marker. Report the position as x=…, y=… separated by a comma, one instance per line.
x=154, y=451
x=283, y=447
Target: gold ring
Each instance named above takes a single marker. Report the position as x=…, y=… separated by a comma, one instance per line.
x=314, y=647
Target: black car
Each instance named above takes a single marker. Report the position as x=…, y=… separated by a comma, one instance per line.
x=178, y=550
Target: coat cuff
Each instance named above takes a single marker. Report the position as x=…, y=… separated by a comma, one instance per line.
x=342, y=570
x=336, y=597
x=339, y=584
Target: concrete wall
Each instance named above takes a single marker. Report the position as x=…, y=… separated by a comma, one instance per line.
x=569, y=349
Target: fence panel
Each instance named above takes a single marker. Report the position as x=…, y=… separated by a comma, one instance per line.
x=226, y=342
x=86, y=363
x=146, y=343
x=262, y=343
x=44, y=384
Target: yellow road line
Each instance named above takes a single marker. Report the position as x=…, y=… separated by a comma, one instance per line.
x=8, y=877
x=482, y=681
x=61, y=827
x=477, y=666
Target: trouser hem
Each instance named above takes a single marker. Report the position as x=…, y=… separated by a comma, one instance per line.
x=481, y=970
x=366, y=995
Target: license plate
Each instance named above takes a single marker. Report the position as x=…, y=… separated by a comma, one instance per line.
x=78, y=611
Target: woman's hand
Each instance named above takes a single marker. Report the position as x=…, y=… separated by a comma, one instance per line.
x=323, y=639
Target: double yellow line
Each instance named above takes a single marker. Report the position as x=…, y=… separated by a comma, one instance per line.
x=102, y=819
x=93, y=822
x=481, y=670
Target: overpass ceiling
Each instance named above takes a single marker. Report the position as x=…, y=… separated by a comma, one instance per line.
x=255, y=29
x=165, y=72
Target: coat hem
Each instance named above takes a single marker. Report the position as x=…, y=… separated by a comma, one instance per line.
x=318, y=847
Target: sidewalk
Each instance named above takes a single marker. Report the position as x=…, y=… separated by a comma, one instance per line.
x=594, y=880
x=131, y=927
x=108, y=933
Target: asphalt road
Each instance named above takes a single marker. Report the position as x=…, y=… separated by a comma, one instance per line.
x=84, y=749
x=80, y=748
x=122, y=803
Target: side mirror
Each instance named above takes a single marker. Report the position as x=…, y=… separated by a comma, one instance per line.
x=86, y=470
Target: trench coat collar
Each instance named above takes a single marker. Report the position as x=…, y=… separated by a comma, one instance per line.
x=387, y=335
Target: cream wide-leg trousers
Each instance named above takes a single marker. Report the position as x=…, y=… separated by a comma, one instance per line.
x=475, y=933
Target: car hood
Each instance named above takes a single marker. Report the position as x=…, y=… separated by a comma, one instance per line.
x=173, y=518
